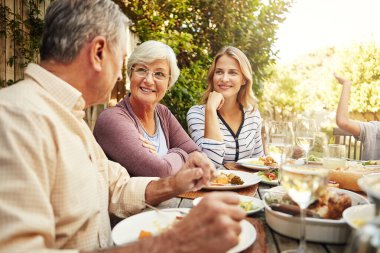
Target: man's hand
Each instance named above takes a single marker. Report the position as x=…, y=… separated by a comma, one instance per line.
x=196, y=173
x=211, y=226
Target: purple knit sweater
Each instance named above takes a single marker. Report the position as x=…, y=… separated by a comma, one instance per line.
x=117, y=130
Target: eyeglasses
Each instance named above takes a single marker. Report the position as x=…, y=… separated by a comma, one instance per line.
x=144, y=72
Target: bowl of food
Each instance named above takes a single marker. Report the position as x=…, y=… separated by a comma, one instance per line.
x=371, y=184
x=348, y=176
x=358, y=216
x=324, y=222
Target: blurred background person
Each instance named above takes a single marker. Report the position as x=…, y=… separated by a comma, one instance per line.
x=366, y=132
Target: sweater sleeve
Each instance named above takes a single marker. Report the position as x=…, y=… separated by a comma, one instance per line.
x=215, y=150
x=116, y=132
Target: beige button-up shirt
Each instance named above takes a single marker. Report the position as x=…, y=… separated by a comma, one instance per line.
x=56, y=184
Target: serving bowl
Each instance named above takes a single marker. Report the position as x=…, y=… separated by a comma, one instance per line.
x=317, y=230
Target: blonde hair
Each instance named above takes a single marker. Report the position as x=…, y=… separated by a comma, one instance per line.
x=245, y=96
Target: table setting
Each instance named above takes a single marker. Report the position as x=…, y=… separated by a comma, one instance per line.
x=318, y=214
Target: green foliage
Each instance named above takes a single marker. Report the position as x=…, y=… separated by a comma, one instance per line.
x=197, y=29
x=308, y=86
x=25, y=33
x=281, y=96
x=361, y=64
x=186, y=91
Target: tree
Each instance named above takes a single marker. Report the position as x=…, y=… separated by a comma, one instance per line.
x=361, y=64
x=197, y=29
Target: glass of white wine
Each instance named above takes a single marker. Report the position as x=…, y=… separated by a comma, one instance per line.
x=304, y=184
x=305, y=130
x=280, y=139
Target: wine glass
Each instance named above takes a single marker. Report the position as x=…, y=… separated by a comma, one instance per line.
x=280, y=139
x=304, y=184
x=305, y=130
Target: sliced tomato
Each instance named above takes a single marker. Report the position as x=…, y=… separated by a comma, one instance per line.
x=271, y=176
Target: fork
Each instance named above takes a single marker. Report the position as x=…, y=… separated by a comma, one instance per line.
x=166, y=210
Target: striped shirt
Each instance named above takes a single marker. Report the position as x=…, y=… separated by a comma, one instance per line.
x=245, y=143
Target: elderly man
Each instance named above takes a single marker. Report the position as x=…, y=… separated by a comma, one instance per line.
x=56, y=185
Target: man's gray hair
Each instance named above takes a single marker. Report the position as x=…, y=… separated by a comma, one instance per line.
x=150, y=51
x=69, y=24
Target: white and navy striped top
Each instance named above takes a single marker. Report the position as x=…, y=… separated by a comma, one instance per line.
x=245, y=144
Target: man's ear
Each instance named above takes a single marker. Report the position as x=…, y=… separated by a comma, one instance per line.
x=98, y=45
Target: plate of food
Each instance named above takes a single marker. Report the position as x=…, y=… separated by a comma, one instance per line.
x=152, y=223
x=233, y=179
x=250, y=204
x=324, y=222
x=358, y=216
x=371, y=164
x=259, y=163
x=313, y=159
x=269, y=177
x=348, y=176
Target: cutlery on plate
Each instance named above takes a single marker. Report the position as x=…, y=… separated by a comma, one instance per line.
x=166, y=210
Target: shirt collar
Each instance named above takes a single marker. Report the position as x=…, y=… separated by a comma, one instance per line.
x=66, y=94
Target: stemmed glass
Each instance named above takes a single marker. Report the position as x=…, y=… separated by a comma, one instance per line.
x=305, y=130
x=303, y=184
x=280, y=139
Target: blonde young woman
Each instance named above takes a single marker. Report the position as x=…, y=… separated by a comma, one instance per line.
x=227, y=126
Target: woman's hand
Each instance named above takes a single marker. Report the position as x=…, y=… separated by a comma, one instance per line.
x=215, y=101
x=148, y=144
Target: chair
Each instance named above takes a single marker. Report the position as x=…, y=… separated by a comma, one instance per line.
x=354, y=146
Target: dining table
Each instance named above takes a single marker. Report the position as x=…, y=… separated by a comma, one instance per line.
x=267, y=239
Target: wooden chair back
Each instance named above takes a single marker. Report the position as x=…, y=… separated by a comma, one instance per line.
x=354, y=147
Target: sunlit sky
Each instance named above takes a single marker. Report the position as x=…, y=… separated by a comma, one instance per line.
x=313, y=24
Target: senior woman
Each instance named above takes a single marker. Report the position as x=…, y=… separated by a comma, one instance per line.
x=140, y=133
x=227, y=126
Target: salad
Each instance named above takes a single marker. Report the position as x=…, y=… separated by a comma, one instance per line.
x=371, y=162
x=268, y=176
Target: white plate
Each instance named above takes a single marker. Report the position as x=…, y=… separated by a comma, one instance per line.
x=266, y=181
x=248, y=178
x=257, y=203
x=128, y=230
x=247, y=237
x=317, y=230
x=361, y=213
x=250, y=163
x=372, y=166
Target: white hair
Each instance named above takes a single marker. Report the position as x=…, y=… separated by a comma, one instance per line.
x=150, y=51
